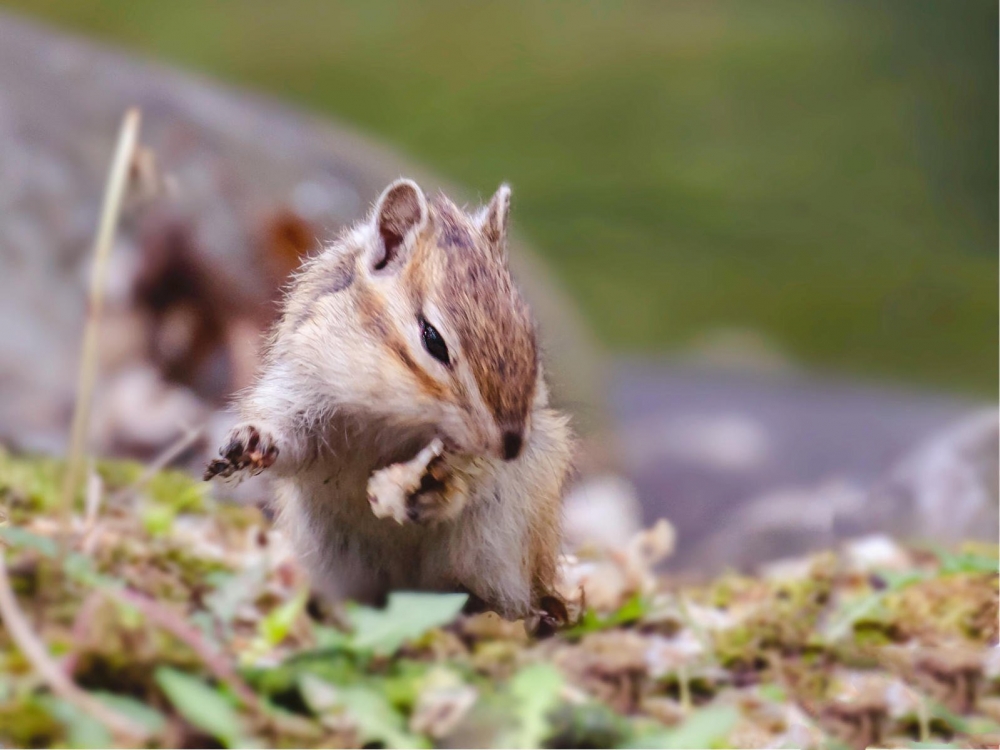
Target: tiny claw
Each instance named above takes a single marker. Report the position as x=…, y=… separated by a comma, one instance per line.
x=233, y=450
x=215, y=468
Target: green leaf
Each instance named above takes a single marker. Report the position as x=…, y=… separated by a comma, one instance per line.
x=963, y=724
x=407, y=679
x=773, y=693
x=16, y=537
x=708, y=727
x=896, y=580
x=868, y=605
x=375, y=718
x=232, y=590
x=80, y=568
x=590, y=724
x=203, y=706
x=275, y=626
x=338, y=667
x=536, y=692
x=631, y=611
x=332, y=639
x=82, y=730
x=145, y=716
x=321, y=696
x=962, y=562
x=843, y=622
x=968, y=563
x=407, y=616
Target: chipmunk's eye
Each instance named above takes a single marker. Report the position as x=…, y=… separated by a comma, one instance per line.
x=433, y=342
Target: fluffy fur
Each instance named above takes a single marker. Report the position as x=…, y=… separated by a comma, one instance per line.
x=348, y=388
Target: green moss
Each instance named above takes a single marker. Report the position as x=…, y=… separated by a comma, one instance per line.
x=28, y=486
x=797, y=637
x=178, y=491
x=27, y=724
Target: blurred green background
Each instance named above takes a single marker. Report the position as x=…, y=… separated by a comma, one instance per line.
x=822, y=172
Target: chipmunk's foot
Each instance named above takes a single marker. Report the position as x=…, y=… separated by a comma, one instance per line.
x=550, y=617
x=248, y=448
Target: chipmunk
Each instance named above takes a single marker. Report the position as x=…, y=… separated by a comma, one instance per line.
x=406, y=340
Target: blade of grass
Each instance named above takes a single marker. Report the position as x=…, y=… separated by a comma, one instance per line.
x=113, y=194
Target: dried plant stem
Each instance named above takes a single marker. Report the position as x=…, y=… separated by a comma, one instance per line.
x=113, y=194
x=172, y=451
x=35, y=652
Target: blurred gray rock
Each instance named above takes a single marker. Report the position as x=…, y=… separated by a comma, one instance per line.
x=945, y=490
x=752, y=466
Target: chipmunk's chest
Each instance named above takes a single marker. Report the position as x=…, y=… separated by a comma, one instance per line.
x=348, y=452
x=331, y=500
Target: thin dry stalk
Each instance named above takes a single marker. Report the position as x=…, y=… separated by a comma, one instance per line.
x=95, y=489
x=81, y=629
x=113, y=194
x=35, y=652
x=172, y=451
x=92, y=504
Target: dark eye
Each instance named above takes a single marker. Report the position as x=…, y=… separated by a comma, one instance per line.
x=433, y=342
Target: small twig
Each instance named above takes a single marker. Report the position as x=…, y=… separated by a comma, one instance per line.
x=696, y=628
x=113, y=194
x=172, y=451
x=923, y=718
x=81, y=626
x=92, y=506
x=35, y=652
x=684, y=688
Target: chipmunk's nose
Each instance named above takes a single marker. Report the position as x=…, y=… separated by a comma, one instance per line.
x=512, y=442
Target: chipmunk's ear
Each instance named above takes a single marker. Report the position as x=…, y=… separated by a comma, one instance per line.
x=400, y=215
x=494, y=219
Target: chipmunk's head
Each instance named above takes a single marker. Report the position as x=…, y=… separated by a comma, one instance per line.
x=457, y=343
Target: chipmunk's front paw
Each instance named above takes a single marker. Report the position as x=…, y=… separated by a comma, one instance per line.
x=423, y=490
x=440, y=496
x=248, y=448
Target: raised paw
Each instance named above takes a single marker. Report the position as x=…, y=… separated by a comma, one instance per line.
x=247, y=448
x=438, y=498
x=424, y=490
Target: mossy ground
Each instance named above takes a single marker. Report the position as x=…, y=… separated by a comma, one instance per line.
x=198, y=626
